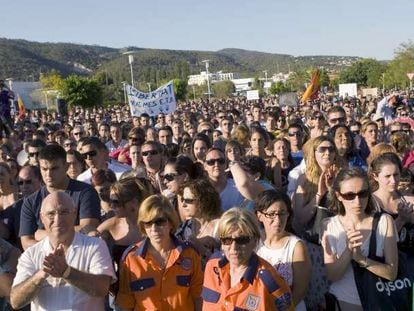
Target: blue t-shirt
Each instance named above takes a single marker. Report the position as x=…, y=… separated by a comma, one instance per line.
x=86, y=201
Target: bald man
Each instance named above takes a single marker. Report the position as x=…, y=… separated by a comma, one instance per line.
x=57, y=272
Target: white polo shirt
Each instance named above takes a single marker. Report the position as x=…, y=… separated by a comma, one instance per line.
x=86, y=254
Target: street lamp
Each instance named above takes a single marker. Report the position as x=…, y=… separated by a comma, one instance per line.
x=131, y=61
x=206, y=61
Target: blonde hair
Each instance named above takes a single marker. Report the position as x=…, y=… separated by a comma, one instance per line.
x=238, y=218
x=313, y=170
x=242, y=134
x=157, y=206
x=379, y=149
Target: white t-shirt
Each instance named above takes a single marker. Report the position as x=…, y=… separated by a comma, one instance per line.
x=281, y=259
x=114, y=166
x=86, y=254
x=345, y=288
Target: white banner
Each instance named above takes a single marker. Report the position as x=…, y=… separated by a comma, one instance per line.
x=153, y=103
x=252, y=95
x=348, y=89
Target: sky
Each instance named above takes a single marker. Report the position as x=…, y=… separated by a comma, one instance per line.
x=364, y=28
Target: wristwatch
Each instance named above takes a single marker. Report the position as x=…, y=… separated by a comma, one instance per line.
x=364, y=263
x=67, y=272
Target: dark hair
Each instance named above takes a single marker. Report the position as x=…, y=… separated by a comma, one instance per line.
x=262, y=132
x=407, y=175
x=77, y=156
x=52, y=153
x=131, y=188
x=254, y=165
x=344, y=175
x=334, y=109
x=103, y=175
x=266, y=198
x=37, y=143
x=207, y=197
x=184, y=164
x=95, y=142
x=171, y=150
x=377, y=164
x=332, y=133
x=203, y=137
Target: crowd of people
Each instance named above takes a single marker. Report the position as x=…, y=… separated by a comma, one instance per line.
x=220, y=205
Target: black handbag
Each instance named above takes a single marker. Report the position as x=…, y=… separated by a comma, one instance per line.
x=377, y=293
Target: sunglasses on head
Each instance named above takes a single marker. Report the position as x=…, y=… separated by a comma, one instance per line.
x=149, y=152
x=241, y=240
x=220, y=161
x=159, y=222
x=170, y=176
x=323, y=149
x=89, y=154
x=33, y=154
x=349, y=196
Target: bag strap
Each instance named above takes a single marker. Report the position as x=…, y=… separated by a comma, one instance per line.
x=373, y=239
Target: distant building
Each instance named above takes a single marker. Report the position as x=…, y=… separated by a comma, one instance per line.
x=243, y=85
x=281, y=77
x=201, y=79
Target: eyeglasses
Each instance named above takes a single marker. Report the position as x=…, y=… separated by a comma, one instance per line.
x=33, y=154
x=207, y=131
x=89, y=154
x=297, y=134
x=52, y=214
x=149, y=152
x=350, y=196
x=337, y=120
x=273, y=215
x=170, y=177
x=323, y=149
x=24, y=182
x=220, y=161
x=158, y=222
x=188, y=201
x=78, y=133
x=241, y=240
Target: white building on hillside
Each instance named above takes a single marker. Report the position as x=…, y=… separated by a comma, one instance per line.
x=201, y=79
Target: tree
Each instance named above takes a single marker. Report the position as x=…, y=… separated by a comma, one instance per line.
x=366, y=72
x=51, y=81
x=81, y=91
x=223, y=89
x=278, y=88
x=396, y=73
x=180, y=89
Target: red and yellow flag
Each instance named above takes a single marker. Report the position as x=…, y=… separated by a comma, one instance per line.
x=20, y=105
x=314, y=86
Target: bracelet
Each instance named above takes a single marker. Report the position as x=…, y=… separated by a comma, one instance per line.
x=67, y=272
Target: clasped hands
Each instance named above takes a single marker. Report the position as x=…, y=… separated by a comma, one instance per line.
x=54, y=264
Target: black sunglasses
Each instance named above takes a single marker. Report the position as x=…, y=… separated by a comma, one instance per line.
x=349, y=196
x=170, y=177
x=149, y=152
x=24, y=182
x=207, y=131
x=89, y=154
x=33, y=154
x=297, y=134
x=323, y=149
x=159, y=222
x=220, y=161
x=188, y=201
x=78, y=133
x=337, y=120
x=241, y=240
